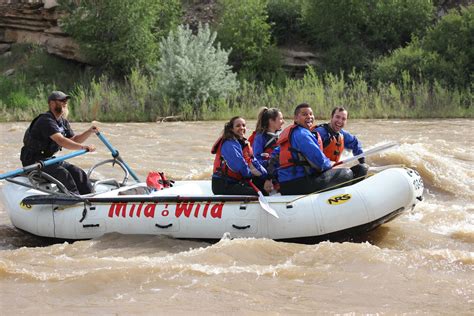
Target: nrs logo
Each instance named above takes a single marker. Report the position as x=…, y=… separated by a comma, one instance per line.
x=25, y=206
x=339, y=199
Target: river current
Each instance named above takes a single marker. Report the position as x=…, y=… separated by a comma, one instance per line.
x=420, y=263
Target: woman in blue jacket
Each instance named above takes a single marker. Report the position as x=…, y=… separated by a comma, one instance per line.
x=264, y=144
x=234, y=164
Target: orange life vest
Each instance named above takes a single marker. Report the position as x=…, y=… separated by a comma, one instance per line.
x=220, y=165
x=334, y=148
x=286, y=159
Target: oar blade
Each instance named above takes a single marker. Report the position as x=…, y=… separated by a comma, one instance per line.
x=264, y=204
x=382, y=168
x=52, y=199
x=366, y=153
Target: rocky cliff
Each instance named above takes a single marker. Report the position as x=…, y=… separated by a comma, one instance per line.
x=35, y=22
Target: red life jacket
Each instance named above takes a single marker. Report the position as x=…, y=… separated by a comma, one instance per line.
x=335, y=146
x=251, y=139
x=220, y=165
x=286, y=159
x=158, y=180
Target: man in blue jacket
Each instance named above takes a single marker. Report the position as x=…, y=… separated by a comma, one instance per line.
x=303, y=166
x=335, y=139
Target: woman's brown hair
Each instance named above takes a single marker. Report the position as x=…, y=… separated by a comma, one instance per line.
x=228, y=133
x=264, y=117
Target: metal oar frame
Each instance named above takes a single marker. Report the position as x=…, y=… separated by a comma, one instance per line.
x=113, y=161
x=35, y=178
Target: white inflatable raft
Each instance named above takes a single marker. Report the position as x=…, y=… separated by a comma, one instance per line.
x=190, y=210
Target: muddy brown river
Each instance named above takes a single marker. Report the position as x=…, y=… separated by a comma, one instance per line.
x=420, y=263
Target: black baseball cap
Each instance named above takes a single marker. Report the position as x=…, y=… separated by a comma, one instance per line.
x=58, y=95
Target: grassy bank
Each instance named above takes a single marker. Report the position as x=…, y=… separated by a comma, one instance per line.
x=136, y=98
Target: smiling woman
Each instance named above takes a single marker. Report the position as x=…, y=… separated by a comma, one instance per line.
x=234, y=163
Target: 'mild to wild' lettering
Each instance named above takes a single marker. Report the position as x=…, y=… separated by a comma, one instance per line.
x=183, y=209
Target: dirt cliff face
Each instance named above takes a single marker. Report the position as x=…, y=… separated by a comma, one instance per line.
x=203, y=11
x=37, y=24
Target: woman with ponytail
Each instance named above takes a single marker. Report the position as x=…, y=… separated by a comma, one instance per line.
x=266, y=133
x=264, y=142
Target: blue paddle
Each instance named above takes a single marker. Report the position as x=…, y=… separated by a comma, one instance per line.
x=41, y=164
x=116, y=155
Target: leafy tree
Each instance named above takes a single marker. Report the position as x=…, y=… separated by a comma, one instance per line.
x=453, y=40
x=413, y=60
x=284, y=17
x=243, y=27
x=445, y=54
x=119, y=34
x=191, y=70
x=352, y=32
x=391, y=24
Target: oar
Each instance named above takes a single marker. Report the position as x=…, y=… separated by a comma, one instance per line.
x=71, y=200
x=263, y=201
x=366, y=153
x=42, y=164
x=116, y=155
x=382, y=168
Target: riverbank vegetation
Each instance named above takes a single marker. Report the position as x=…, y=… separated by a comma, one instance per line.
x=380, y=60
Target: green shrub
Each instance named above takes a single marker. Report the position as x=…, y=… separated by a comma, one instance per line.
x=269, y=70
x=107, y=100
x=7, y=86
x=284, y=17
x=444, y=55
x=18, y=99
x=412, y=59
x=453, y=40
x=191, y=71
x=37, y=73
x=356, y=31
x=391, y=24
x=119, y=34
x=243, y=27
